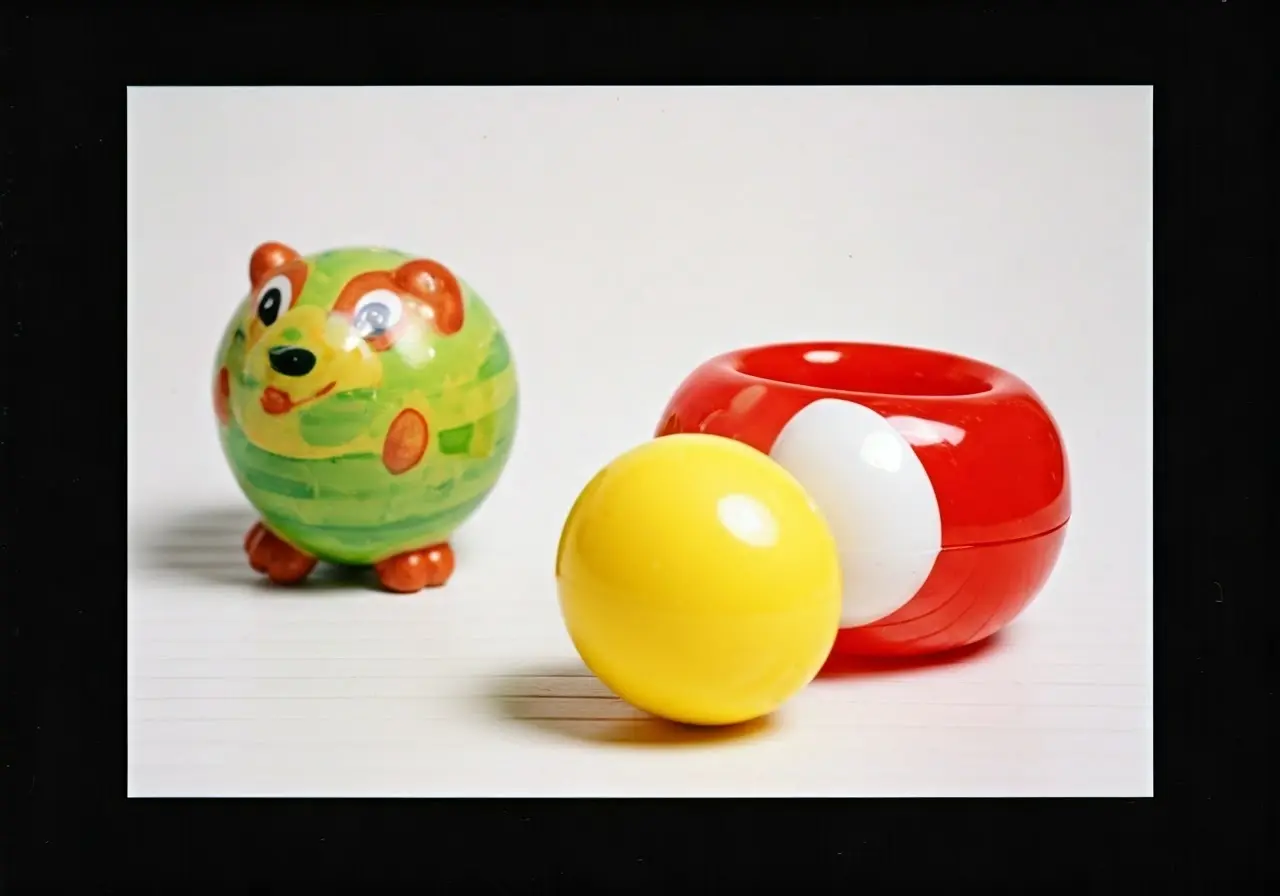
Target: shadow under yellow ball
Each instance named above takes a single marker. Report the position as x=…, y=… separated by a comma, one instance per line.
x=698, y=581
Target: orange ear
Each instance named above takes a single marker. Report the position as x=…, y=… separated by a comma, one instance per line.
x=435, y=286
x=268, y=257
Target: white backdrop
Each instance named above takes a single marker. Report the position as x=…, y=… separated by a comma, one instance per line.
x=623, y=235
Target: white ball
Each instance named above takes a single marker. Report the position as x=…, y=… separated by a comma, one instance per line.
x=876, y=496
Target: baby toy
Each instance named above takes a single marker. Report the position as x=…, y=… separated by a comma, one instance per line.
x=366, y=402
x=697, y=580
x=944, y=480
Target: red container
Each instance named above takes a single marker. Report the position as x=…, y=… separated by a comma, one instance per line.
x=944, y=479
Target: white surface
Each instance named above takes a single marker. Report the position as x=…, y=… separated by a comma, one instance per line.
x=876, y=497
x=623, y=236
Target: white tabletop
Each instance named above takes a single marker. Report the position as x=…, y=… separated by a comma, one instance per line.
x=336, y=688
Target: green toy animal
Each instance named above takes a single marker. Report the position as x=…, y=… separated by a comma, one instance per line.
x=367, y=403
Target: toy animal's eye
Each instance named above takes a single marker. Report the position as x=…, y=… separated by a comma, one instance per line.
x=377, y=312
x=273, y=298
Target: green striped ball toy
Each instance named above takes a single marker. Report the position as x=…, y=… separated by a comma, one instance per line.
x=366, y=399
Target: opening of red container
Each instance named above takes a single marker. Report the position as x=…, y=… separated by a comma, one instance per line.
x=867, y=368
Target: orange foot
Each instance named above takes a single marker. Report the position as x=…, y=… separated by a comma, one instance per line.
x=412, y=571
x=280, y=561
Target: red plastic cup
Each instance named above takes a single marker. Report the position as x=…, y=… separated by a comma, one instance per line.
x=944, y=479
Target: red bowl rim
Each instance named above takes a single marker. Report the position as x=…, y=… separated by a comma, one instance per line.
x=996, y=381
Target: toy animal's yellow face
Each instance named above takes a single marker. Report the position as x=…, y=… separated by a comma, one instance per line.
x=308, y=348
x=294, y=356
x=305, y=355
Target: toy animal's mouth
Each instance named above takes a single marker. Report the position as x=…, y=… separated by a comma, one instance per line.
x=277, y=401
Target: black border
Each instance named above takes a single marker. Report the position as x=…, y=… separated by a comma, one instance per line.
x=61, y=209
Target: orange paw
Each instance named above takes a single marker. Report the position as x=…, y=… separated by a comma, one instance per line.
x=280, y=561
x=412, y=571
x=406, y=442
x=222, y=396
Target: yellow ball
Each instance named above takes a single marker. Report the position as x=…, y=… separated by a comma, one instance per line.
x=698, y=581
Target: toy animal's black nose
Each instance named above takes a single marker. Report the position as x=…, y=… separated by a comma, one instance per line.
x=291, y=361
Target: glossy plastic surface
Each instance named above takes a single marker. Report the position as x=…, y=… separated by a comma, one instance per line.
x=941, y=546
x=698, y=582
x=367, y=402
